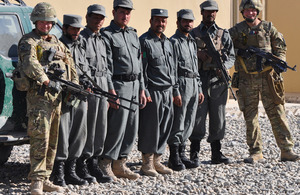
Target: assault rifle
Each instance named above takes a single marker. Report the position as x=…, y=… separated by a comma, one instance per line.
x=278, y=65
x=218, y=59
x=54, y=74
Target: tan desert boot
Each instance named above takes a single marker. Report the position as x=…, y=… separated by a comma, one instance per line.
x=148, y=166
x=36, y=187
x=253, y=158
x=289, y=156
x=121, y=170
x=160, y=168
x=105, y=166
x=48, y=186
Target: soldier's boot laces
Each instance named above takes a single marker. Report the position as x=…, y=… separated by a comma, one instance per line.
x=95, y=171
x=289, y=156
x=159, y=167
x=105, y=166
x=175, y=162
x=59, y=173
x=71, y=177
x=121, y=170
x=217, y=157
x=148, y=165
x=83, y=172
x=253, y=158
x=194, y=152
x=189, y=164
x=36, y=187
x=48, y=186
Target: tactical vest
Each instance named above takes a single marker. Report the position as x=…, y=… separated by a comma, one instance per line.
x=259, y=37
x=201, y=45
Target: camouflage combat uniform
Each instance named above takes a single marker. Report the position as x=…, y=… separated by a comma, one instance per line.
x=43, y=110
x=252, y=84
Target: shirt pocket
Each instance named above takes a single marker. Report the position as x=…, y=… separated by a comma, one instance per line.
x=119, y=49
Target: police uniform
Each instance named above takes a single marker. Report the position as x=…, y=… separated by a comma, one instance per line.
x=214, y=89
x=252, y=84
x=73, y=122
x=97, y=107
x=189, y=85
x=125, y=78
x=43, y=110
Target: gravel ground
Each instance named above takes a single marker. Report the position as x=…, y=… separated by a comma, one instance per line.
x=268, y=177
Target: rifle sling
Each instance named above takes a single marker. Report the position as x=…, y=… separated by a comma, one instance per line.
x=255, y=72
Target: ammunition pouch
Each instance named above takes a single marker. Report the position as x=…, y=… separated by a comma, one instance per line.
x=276, y=86
x=22, y=82
x=235, y=80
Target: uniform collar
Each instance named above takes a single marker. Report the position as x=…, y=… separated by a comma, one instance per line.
x=182, y=36
x=69, y=42
x=116, y=28
x=203, y=27
x=90, y=33
x=155, y=37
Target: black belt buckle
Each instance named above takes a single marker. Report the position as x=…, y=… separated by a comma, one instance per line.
x=131, y=77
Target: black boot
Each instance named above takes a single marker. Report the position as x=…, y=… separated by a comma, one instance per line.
x=194, y=152
x=216, y=155
x=58, y=173
x=187, y=162
x=70, y=174
x=174, y=159
x=95, y=171
x=83, y=172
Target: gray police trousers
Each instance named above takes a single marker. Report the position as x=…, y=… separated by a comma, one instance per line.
x=184, y=116
x=215, y=93
x=72, y=131
x=122, y=123
x=156, y=121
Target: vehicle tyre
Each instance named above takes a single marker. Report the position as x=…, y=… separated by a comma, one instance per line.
x=5, y=152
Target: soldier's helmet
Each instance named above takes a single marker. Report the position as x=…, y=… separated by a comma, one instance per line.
x=256, y=4
x=43, y=12
x=209, y=5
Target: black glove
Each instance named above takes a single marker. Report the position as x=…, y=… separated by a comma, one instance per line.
x=244, y=53
x=87, y=84
x=54, y=86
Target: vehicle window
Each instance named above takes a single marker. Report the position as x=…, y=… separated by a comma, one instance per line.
x=10, y=33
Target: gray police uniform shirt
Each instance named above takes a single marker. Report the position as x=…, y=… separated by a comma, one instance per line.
x=226, y=41
x=158, y=61
x=78, y=52
x=97, y=60
x=185, y=49
x=123, y=53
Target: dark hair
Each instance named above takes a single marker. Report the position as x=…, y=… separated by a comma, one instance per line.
x=66, y=26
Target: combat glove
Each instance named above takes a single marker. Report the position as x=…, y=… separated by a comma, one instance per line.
x=55, y=86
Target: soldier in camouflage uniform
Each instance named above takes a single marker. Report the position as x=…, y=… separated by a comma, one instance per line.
x=252, y=83
x=43, y=109
x=214, y=88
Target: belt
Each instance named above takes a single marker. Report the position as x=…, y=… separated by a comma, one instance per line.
x=125, y=77
x=98, y=73
x=158, y=88
x=188, y=74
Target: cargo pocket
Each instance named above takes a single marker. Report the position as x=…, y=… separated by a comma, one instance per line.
x=275, y=83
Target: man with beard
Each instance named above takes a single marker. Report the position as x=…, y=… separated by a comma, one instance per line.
x=126, y=80
x=214, y=88
x=255, y=83
x=93, y=43
x=159, y=73
x=43, y=96
x=190, y=90
x=73, y=125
